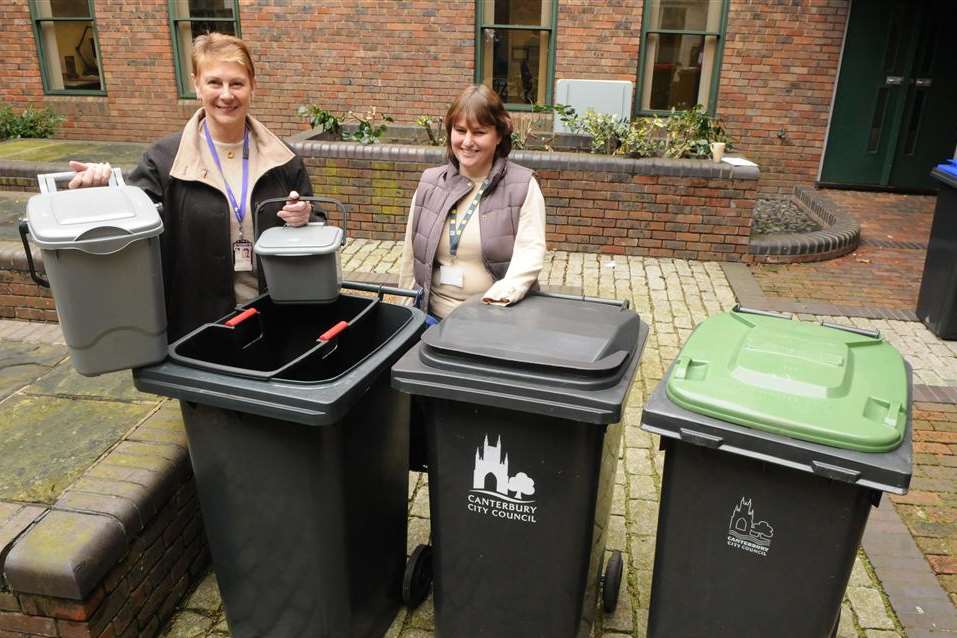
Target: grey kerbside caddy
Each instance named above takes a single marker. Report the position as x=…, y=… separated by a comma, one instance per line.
x=301, y=263
x=300, y=451
x=522, y=408
x=101, y=253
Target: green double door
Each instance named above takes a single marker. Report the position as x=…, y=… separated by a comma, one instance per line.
x=895, y=111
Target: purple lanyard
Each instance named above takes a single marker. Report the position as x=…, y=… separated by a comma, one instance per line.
x=240, y=206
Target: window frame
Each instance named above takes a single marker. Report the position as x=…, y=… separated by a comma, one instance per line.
x=720, y=35
x=184, y=88
x=553, y=42
x=41, y=51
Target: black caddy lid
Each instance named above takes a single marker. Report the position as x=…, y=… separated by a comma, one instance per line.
x=885, y=471
x=571, y=358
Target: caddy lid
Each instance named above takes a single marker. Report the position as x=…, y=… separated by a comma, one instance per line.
x=841, y=387
x=312, y=239
x=92, y=218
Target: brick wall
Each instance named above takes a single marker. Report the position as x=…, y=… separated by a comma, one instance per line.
x=779, y=68
x=661, y=208
x=778, y=74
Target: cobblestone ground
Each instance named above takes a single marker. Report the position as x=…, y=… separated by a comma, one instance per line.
x=672, y=296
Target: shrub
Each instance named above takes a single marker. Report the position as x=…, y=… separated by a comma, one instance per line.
x=367, y=131
x=321, y=119
x=434, y=128
x=32, y=122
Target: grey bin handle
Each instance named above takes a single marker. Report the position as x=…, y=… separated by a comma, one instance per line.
x=624, y=304
x=48, y=180
x=321, y=200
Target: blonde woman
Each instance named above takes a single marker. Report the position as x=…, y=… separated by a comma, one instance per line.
x=209, y=177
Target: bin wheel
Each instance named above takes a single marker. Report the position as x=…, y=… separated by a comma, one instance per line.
x=418, y=577
x=611, y=584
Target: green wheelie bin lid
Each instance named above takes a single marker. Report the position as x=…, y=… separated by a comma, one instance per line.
x=841, y=387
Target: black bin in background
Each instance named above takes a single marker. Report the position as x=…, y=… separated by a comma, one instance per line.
x=300, y=462
x=522, y=408
x=937, y=300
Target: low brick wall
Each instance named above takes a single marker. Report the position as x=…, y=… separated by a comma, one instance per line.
x=689, y=209
x=116, y=552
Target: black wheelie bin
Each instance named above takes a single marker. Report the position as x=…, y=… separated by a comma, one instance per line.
x=936, y=305
x=779, y=437
x=522, y=408
x=300, y=449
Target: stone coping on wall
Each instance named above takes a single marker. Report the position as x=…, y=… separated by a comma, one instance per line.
x=840, y=234
x=534, y=159
x=117, y=549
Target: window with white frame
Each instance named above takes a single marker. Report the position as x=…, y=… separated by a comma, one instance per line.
x=680, y=54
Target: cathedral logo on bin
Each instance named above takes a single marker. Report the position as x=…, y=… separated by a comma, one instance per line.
x=747, y=534
x=495, y=492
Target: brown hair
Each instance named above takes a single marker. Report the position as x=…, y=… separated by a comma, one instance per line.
x=481, y=105
x=222, y=48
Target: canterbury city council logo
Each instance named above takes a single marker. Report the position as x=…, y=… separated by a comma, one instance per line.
x=745, y=533
x=497, y=494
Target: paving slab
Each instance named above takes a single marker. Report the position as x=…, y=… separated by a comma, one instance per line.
x=66, y=382
x=22, y=362
x=37, y=150
x=49, y=441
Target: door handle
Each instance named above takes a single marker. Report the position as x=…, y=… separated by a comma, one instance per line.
x=894, y=80
x=924, y=83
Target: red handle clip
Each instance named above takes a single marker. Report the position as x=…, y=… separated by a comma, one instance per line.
x=241, y=317
x=333, y=331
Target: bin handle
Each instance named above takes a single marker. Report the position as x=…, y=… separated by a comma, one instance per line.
x=764, y=313
x=241, y=317
x=305, y=198
x=624, y=304
x=864, y=332
x=48, y=181
x=24, y=229
x=334, y=331
x=379, y=289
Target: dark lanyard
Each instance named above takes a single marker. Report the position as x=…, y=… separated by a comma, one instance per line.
x=456, y=229
x=238, y=207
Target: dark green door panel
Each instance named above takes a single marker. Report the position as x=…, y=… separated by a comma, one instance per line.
x=929, y=124
x=894, y=109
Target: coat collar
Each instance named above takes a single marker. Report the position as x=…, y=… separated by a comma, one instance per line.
x=497, y=172
x=188, y=164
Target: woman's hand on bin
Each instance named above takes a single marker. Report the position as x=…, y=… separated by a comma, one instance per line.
x=295, y=212
x=90, y=174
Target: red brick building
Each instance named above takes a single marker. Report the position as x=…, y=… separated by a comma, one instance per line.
x=853, y=92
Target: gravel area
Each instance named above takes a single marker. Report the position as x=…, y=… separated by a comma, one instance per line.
x=781, y=216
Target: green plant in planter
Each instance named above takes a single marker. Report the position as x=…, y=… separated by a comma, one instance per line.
x=434, y=128
x=645, y=137
x=691, y=132
x=321, y=119
x=526, y=127
x=368, y=132
x=606, y=131
x=33, y=123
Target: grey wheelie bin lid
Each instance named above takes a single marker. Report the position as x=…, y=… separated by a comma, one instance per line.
x=318, y=400
x=829, y=400
x=568, y=358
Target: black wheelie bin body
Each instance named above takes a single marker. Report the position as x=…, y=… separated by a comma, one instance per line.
x=300, y=453
x=779, y=437
x=936, y=305
x=522, y=408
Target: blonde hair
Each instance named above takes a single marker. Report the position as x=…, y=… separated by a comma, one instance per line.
x=221, y=48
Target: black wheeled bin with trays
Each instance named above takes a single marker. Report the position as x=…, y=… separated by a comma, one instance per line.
x=522, y=408
x=300, y=452
x=937, y=300
x=779, y=437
